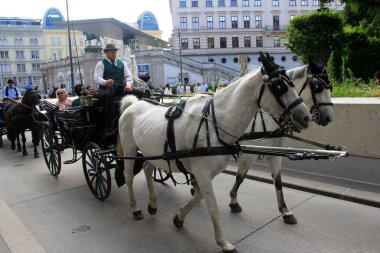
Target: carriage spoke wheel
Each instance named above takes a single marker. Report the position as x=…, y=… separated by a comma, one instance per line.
x=160, y=175
x=51, y=151
x=96, y=171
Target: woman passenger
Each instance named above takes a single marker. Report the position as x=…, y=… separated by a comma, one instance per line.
x=63, y=102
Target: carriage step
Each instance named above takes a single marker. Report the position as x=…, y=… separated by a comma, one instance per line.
x=69, y=161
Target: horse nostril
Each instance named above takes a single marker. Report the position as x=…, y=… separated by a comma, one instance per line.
x=306, y=119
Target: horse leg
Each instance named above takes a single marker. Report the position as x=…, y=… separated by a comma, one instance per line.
x=244, y=165
x=24, y=152
x=148, y=171
x=275, y=163
x=179, y=218
x=36, y=141
x=18, y=142
x=203, y=178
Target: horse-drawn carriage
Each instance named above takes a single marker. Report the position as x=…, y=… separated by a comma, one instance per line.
x=218, y=121
x=82, y=129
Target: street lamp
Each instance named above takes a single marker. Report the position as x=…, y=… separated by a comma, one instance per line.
x=180, y=54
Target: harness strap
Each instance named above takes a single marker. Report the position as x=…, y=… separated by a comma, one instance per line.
x=205, y=113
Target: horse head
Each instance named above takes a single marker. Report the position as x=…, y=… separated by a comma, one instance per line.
x=282, y=88
x=320, y=89
x=31, y=98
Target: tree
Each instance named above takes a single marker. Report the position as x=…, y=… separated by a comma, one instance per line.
x=334, y=66
x=316, y=35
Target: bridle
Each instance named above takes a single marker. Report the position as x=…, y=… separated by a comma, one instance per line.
x=278, y=82
x=315, y=88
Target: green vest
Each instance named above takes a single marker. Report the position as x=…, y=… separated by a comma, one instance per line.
x=115, y=72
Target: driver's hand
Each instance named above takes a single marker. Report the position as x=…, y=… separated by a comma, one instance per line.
x=128, y=88
x=110, y=82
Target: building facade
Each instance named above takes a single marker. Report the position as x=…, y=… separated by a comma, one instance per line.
x=21, y=51
x=221, y=30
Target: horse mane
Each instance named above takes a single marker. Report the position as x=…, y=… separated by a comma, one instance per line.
x=297, y=73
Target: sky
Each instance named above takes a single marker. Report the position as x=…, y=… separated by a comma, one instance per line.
x=123, y=10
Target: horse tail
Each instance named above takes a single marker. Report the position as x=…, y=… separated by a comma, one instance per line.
x=126, y=102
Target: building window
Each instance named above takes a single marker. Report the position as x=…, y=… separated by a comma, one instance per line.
x=210, y=43
x=59, y=42
x=19, y=42
x=21, y=68
x=221, y=3
x=36, y=66
x=233, y=2
x=245, y=2
x=277, y=41
x=222, y=22
x=35, y=54
x=315, y=2
x=52, y=41
x=196, y=43
x=20, y=55
x=184, y=44
x=210, y=23
x=33, y=42
x=259, y=41
x=257, y=2
x=183, y=23
x=292, y=3
x=3, y=42
x=247, y=41
x=81, y=41
x=223, y=42
x=4, y=55
x=208, y=3
x=276, y=22
x=247, y=23
x=275, y=2
x=235, y=42
x=328, y=4
x=259, y=22
x=194, y=3
x=195, y=23
x=5, y=68
x=234, y=22
x=304, y=3
x=182, y=3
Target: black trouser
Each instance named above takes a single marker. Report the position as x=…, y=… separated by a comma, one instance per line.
x=110, y=101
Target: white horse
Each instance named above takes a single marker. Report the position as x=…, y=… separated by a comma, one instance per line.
x=143, y=127
x=313, y=86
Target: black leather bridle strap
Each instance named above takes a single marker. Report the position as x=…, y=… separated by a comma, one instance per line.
x=205, y=113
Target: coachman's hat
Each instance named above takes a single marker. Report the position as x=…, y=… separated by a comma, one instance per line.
x=10, y=81
x=110, y=47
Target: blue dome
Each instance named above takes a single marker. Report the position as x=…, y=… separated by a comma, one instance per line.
x=53, y=15
x=147, y=21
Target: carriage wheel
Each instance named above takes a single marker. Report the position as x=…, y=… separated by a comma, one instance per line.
x=51, y=150
x=160, y=175
x=96, y=171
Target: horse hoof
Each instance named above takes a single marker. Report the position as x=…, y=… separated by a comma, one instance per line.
x=290, y=219
x=151, y=210
x=138, y=215
x=177, y=222
x=13, y=147
x=236, y=208
x=36, y=155
x=25, y=153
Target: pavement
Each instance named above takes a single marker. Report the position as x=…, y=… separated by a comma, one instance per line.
x=42, y=213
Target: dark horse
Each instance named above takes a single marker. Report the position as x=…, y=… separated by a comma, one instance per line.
x=20, y=116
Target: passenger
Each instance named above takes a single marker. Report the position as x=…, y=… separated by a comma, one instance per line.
x=91, y=90
x=63, y=102
x=78, y=92
x=10, y=91
x=168, y=90
x=114, y=79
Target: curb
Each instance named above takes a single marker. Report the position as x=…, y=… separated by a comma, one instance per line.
x=333, y=191
x=16, y=236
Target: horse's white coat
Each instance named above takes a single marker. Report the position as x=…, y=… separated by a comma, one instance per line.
x=143, y=126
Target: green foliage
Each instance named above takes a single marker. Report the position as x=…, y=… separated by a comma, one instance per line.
x=316, y=35
x=334, y=66
x=348, y=88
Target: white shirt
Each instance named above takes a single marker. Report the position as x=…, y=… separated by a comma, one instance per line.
x=99, y=71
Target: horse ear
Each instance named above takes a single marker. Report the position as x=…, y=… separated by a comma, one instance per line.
x=268, y=56
x=36, y=88
x=315, y=68
x=265, y=63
